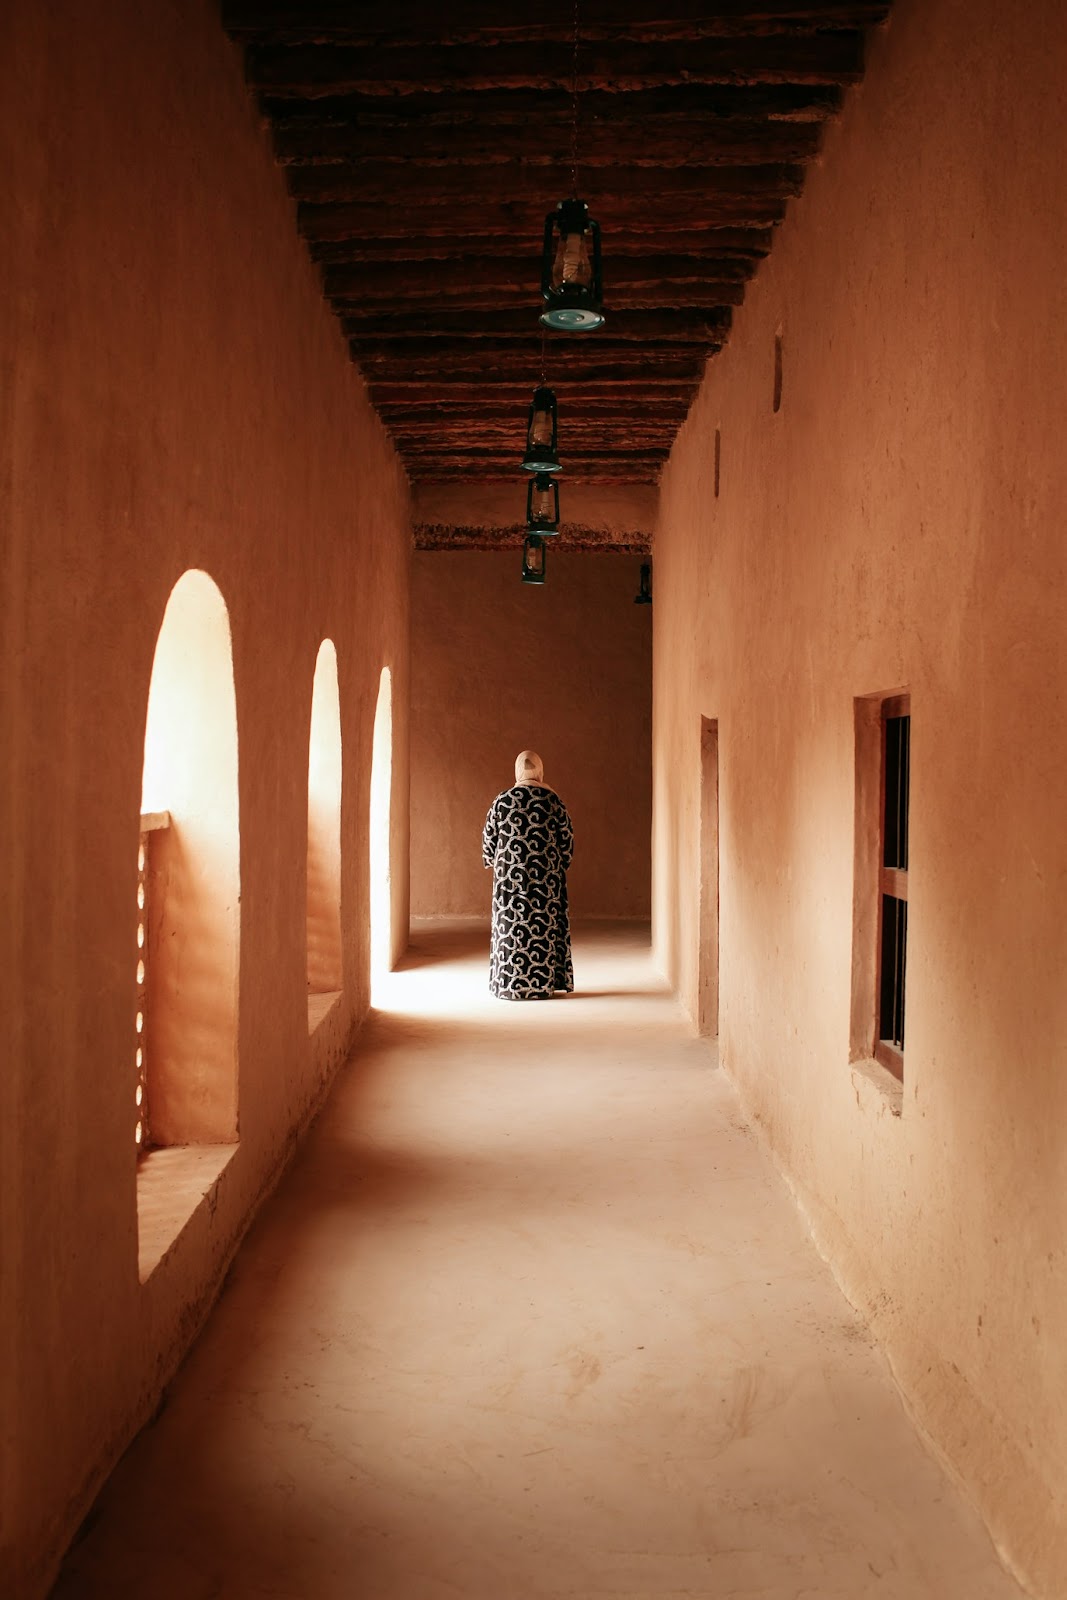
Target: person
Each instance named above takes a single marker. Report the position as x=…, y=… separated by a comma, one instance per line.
x=529, y=843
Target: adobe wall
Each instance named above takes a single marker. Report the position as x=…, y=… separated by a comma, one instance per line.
x=175, y=394
x=499, y=666
x=900, y=523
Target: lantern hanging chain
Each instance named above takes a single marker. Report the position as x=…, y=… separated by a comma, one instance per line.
x=574, y=108
x=544, y=379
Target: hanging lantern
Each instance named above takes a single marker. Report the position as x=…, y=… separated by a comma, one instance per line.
x=571, y=283
x=643, y=597
x=541, y=433
x=533, y=559
x=542, y=506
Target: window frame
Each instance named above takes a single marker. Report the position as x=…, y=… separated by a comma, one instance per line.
x=872, y=880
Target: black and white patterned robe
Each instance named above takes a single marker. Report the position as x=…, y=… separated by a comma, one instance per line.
x=528, y=841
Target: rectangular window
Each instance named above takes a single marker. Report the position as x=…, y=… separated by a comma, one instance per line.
x=893, y=954
x=880, y=884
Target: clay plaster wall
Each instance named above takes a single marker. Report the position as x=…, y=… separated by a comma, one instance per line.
x=499, y=666
x=900, y=523
x=174, y=395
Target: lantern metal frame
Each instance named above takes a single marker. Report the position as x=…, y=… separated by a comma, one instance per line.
x=537, y=522
x=534, y=559
x=571, y=307
x=643, y=597
x=541, y=457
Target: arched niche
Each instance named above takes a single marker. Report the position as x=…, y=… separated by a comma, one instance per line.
x=191, y=881
x=381, y=788
x=324, y=952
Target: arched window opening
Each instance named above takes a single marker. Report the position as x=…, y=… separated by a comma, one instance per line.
x=183, y=1091
x=381, y=786
x=324, y=958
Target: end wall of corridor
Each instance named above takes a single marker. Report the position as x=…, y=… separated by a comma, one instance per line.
x=499, y=666
x=175, y=395
x=899, y=523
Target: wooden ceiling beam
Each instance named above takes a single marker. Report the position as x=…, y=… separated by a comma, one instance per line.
x=575, y=537
x=440, y=186
x=644, y=384
x=484, y=278
x=828, y=57
x=292, y=22
x=698, y=325
x=479, y=453
x=621, y=299
x=576, y=447
x=504, y=450
x=737, y=244
x=623, y=383
x=512, y=447
x=573, y=408
x=486, y=446
x=700, y=142
x=575, y=427
x=547, y=108
x=647, y=473
x=516, y=391
x=476, y=220
x=497, y=413
x=685, y=363
x=420, y=453
x=447, y=358
x=447, y=464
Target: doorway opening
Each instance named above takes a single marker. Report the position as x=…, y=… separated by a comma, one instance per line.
x=708, y=954
x=381, y=787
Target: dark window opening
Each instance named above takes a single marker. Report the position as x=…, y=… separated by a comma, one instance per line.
x=897, y=764
x=893, y=956
x=894, y=962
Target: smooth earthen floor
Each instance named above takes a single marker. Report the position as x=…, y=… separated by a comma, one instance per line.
x=532, y=1316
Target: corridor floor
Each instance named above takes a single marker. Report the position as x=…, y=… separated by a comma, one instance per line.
x=532, y=1315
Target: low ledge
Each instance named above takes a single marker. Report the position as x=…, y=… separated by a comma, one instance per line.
x=320, y=1006
x=876, y=1089
x=172, y=1184
x=572, y=536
